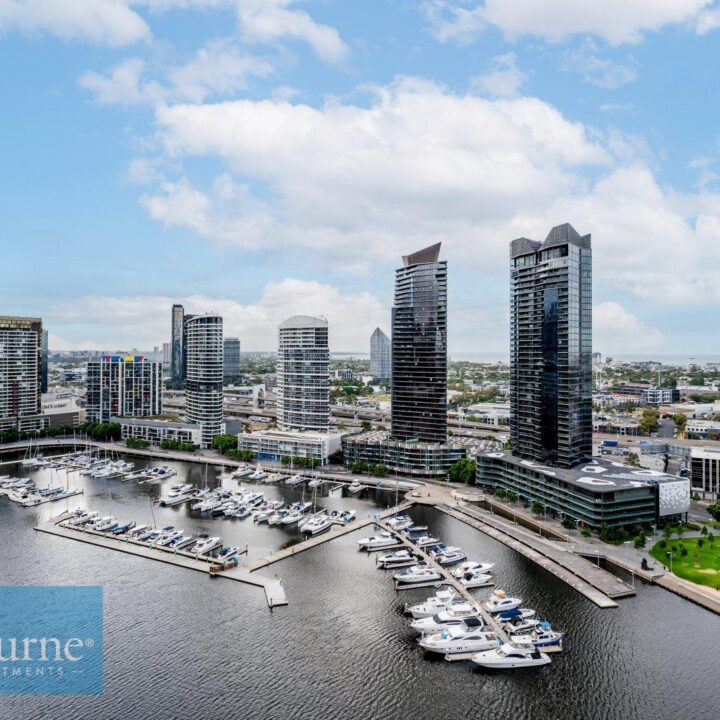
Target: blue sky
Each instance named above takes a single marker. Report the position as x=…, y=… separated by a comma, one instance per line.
x=263, y=158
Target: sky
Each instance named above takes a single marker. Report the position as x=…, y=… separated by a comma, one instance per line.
x=265, y=158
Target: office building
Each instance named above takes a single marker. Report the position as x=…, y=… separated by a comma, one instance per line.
x=705, y=472
x=204, y=374
x=231, y=359
x=155, y=430
x=177, y=342
x=20, y=373
x=167, y=354
x=419, y=348
x=303, y=374
x=551, y=348
x=380, y=367
x=274, y=445
x=123, y=386
x=44, y=361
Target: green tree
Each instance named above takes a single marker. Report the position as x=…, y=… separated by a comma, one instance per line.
x=223, y=443
x=700, y=542
x=133, y=442
x=714, y=510
x=462, y=471
x=639, y=541
x=537, y=507
x=569, y=523
x=512, y=496
x=500, y=493
x=680, y=420
x=632, y=459
x=366, y=425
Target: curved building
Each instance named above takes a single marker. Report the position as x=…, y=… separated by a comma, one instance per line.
x=204, y=374
x=303, y=374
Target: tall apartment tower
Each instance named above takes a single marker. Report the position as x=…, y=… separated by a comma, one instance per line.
x=44, y=351
x=123, y=386
x=419, y=348
x=551, y=347
x=231, y=359
x=380, y=356
x=204, y=374
x=177, y=343
x=303, y=374
x=20, y=372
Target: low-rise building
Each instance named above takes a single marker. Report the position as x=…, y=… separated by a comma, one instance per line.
x=705, y=472
x=616, y=426
x=273, y=445
x=155, y=430
x=490, y=414
x=595, y=493
x=702, y=430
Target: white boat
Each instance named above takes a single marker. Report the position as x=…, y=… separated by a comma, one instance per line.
x=294, y=480
x=292, y=518
x=450, y=556
x=401, y=558
x=381, y=540
x=175, y=498
x=242, y=512
x=475, y=579
x=521, y=626
x=511, y=655
x=441, y=600
x=457, y=639
x=317, y=524
x=139, y=530
x=105, y=524
x=182, y=542
x=316, y=482
x=169, y=538
x=242, y=472
x=399, y=522
x=544, y=639
x=347, y=516
x=424, y=541
x=275, y=477
x=453, y=615
x=206, y=545
x=259, y=474
x=515, y=615
x=82, y=519
x=498, y=602
x=417, y=574
x=355, y=487
x=471, y=566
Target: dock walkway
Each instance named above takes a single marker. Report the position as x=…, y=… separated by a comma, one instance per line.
x=594, y=583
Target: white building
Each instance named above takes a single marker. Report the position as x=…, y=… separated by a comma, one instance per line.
x=124, y=386
x=303, y=376
x=204, y=374
x=155, y=431
x=705, y=472
x=20, y=373
x=275, y=444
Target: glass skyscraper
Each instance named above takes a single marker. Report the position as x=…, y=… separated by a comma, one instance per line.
x=177, y=343
x=551, y=348
x=419, y=348
x=380, y=356
x=231, y=356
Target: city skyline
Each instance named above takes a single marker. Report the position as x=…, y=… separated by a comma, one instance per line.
x=520, y=124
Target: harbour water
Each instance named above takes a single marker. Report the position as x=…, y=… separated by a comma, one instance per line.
x=179, y=644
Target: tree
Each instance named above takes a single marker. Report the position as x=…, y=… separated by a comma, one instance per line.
x=632, y=459
x=537, y=507
x=500, y=493
x=649, y=421
x=512, y=496
x=711, y=538
x=704, y=530
x=133, y=442
x=639, y=541
x=569, y=523
x=680, y=420
x=700, y=542
x=714, y=510
x=462, y=471
x=366, y=425
x=585, y=533
x=223, y=443
x=667, y=532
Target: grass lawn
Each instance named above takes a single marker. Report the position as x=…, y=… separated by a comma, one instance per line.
x=700, y=565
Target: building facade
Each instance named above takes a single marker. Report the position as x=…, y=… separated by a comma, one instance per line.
x=155, y=431
x=123, y=386
x=167, y=354
x=204, y=374
x=551, y=347
x=44, y=352
x=273, y=445
x=20, y=373
x=705, y=472
x=177, y=345
x=380, y=356
x=419, y=348
x=303, y=374
x=231, y=359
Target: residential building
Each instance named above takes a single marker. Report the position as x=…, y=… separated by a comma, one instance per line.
x=303, y=375
x=380, y=356
x=705, y=472
x=123, y=385
x=167, y=354
x=177, y=357
x=344, y=374
x=551, y=347
x=231, y=359
x=661, y=396
x=21, y=373
x=419, y=348
x=155, y=430
x=62, y=409
x=204, y=374
x=44, y=351
x=273, y=445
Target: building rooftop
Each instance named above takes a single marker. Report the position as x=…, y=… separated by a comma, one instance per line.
x=426, y=255
x=380, y=436
x=600, y=475
x=303, y=321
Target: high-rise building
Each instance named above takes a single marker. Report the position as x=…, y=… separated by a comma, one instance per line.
x=551, y=347
x=177, y=360
x=204, y=374
x=231, y=359
x=303, y=374
x=123, y=386
x=44, y=361
x=380, y=356
x=419, y=348
x=20, y=372
x=167, y=354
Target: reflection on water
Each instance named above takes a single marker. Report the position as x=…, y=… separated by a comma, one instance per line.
x=180, y=645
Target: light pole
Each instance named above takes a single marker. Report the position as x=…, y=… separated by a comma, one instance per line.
x=670, y=555
x=627, y=551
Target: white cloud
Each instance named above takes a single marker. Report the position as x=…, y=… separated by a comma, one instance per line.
x=595, y=69
x=144, y=321
x=504, y=80
x=270, y=20
x=106, y=22
x=616, y=21
x=218, y=68
x=615, y=330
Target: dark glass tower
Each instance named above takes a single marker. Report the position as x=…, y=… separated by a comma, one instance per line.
x=419, y=348
x=177, y=349
x=551, y=347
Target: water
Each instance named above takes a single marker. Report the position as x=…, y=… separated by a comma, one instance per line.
x=181, y=645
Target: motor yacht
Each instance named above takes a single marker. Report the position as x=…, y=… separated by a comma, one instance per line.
x=498, y=602
x=511, y=655
x=521, y=626
x=242, y=472
x=471, y=566
x=458, y=639
x=455, y=615
x=123, y=528
x=175, y=498
x=106, y=524
x=206, y=545
x=138, y=530
x=278, y=516
x=355, y=487
x=253, y=498
x=317, y=524
x=401, y=558
x=294, y=480
x=399, y=522
x=347, y=516
x=441, y=600
x=450, y=556
x=417, y=574
x=515, y=614
x=182, y=542
x=425, y=540
x=273, y=478
x=543, y=637
x=82, y=519
x=475, y=579
x=242, y=512
x=259, y=474
x=316, y=482
x=292, y=518
x=381, y=540
x=167, y=539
